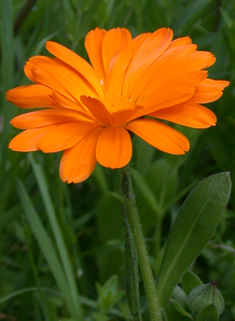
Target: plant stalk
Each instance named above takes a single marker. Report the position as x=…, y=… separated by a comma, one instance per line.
x=134, y=221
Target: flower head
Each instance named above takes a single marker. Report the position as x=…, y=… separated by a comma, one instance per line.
x=89, y=111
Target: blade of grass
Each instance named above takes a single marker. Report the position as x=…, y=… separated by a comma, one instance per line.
x=146, y=191
x=7, y=57
x=85, y=301
x=190, y=15
x=27, y=290
x=41, y=180
x=48, y=315
x=7, y=69
x=46, y=246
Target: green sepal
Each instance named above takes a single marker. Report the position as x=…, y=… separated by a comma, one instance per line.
x=170, y=313
x=203, y=295
x=180, y=309
x=209, y=313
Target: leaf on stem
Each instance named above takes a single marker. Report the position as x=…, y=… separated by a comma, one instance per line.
x=194, y=226
x=190, y=281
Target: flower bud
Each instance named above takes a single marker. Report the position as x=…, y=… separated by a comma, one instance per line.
x=204, y=295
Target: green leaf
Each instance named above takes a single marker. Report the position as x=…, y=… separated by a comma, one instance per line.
x=195, y=224
x=209, y=313
x=108, y=294
x=180, y=296
x=190, y=281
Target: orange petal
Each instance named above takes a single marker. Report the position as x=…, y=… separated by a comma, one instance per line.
x=209, y=90
x=117, y=70
x=98, y=110
x=174, y=66
x=79, y=162
x=28, y=140
x=203, y=59
x=31, y=96
x=70, y=104
x=127, y=36
x=114, y=40
x=160, y=135
x=28, y=71
x=93, y=44
x=139, y=40
x=187, y=114
x=65, y=136
x=114, y=147
x=151, y=49
x=46, y=117
x=121, y=118
x=61, y=77
x=75, y=61
x=29, y=65
x=180, y=42
x=168, y=96
x=189, y=80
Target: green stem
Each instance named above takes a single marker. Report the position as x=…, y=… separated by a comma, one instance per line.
x=133, y=218
x=157, y=236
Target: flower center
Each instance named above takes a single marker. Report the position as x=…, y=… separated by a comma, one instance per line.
x=118, y=103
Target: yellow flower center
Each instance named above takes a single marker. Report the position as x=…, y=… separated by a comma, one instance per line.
x=118, y=103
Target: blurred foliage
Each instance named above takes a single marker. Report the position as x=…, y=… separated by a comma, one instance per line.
x=89, y=214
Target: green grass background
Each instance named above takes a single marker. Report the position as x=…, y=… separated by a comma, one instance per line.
x=58, y=240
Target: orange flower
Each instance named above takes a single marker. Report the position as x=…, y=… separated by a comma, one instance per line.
x=90, y=110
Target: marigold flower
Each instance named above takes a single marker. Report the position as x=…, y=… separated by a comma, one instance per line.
x=90, y=110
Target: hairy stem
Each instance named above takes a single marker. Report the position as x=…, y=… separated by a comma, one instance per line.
x=134, y=221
